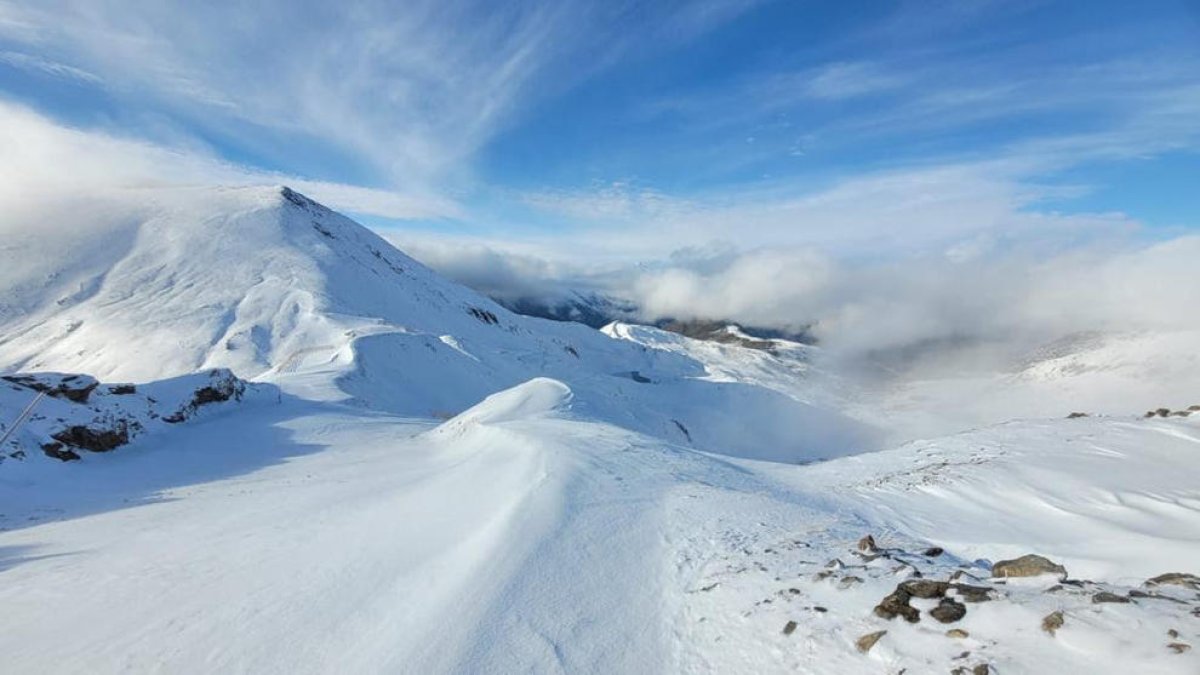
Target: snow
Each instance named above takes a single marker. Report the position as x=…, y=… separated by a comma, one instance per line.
x=418, y=480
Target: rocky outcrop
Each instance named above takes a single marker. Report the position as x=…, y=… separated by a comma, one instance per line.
x=1030, y=565
x=74, y=388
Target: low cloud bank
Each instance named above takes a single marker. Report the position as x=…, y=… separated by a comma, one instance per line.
x=856, y=307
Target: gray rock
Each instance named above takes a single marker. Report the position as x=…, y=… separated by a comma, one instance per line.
x=1028, y=566
x=1105, y=596
x=789, y=628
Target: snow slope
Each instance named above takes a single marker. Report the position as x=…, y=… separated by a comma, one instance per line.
x=155, y=284
x=434, y=484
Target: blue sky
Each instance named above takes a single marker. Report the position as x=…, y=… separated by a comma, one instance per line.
x=628, y=131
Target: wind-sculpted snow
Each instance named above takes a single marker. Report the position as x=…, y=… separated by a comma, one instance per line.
x=417, y=480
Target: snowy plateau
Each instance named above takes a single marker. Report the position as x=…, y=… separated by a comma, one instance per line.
x=244, y=434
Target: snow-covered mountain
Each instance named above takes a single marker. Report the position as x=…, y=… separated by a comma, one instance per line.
x=410, y=478
x=275, y=287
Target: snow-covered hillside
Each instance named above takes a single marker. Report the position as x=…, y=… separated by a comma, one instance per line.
x=413, y=479
x=154, y=284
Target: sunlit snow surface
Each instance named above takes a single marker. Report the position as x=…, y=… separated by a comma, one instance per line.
x=434, y=490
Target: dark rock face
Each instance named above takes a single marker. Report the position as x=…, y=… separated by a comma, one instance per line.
x=1105, y=596
x=948, y=611
x=789, y=628
x=867, y=544
x=223, y=385
x=933, y=552
x=1028, y=566
x=94, y=439
x=57, y=451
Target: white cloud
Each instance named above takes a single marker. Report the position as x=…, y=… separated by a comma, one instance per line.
x=37, y=64
x=40, y=159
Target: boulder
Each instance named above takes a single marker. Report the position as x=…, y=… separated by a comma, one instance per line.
x=1105, y=596
x=896, y=604
x=948, y=611
x=1190, y=581
x=1030, y=565
x=925, y=588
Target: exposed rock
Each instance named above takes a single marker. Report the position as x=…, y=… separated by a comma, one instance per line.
x=1077, y=415
x=933, y=551
x=1030, y=565
x=957, y=633
x=96, y=440
x=223, y=385
x=867, y=544
x=76, y=388
x=789, y=627
x=1176, y=579
x=925, y=588
x=896, y=604
x=848, y=581
x=1172, y=633
x=1105, y=596
x=867, y=641
x=1179, y=647
x=122, y=389
x=948, y=611
x=57, y=451
x=972, y=593
x=1052, y=622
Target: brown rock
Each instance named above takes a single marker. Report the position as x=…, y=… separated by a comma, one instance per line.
x=957, y=633
x=1176, y=579
x=867, y=641
x=1179, y=647
x=972, y=593
x=948, y=611
x=1028, y=566
x=1105, y=596
x=925, y=588
x=867, y=544
x=1052, y=622
x=896, y=604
